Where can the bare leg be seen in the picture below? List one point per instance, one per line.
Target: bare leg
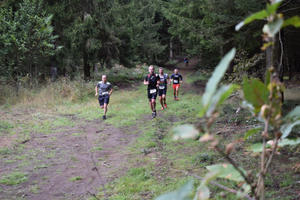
(153, 105)
(161, 101)
(105, 108)
(177, 91)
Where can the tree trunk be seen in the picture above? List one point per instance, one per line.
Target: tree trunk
(86, 66)
(171, 50)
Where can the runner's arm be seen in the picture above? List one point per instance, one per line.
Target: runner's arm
(111, 90)
(171, 79)
(96, 90)
(146, 82)
(157, 83)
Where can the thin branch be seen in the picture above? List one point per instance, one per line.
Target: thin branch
(281, 55)
(260, 183)
(233, 163)
(290, 9)
(286, 3)
(272, 154)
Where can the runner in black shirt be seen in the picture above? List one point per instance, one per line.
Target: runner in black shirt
(176, 79)
(162, 88)
(152, 81)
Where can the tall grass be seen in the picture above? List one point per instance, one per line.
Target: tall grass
(48, 94)
(65, 91)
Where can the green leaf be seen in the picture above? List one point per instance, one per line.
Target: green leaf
(260, 15)
(226, 171)
(183, 193)
(291, 142)
(251, 132)
(273, 28)
(294, 114)
(288, 127)
(258, 147)
(221, 95)
(186, 131)
(255, 93)
(272, 8)
(293, 21)
(216, 77)
(244, 190)
(202, 193)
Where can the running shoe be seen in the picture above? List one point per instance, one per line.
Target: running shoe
(162, 108)
(177, 99)
(165, 105)
(153, 115)
(104, 117)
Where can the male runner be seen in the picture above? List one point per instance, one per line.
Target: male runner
(162, 88)
(104, 89)
(152, 81)
(176, 79)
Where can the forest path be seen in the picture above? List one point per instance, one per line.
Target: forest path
(68, 164)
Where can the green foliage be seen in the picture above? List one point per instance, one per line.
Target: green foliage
(258, 147)
(75, 178)
(185, 131)
(256, 93)
(226, 171)
(211, 86)
(260, 15)
(252, 132)
(26, 38)
(293, 21)
(291, 120)
(194, 24)
(272, 28)
(183, 193)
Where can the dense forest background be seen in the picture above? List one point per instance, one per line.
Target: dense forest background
(81, 37)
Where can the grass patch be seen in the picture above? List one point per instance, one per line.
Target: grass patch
(75, 178)
(5, 126)
(14, 178)
(139, 183)
(98, 148)
(197, 76)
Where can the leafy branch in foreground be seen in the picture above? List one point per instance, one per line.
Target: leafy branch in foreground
(263, 100)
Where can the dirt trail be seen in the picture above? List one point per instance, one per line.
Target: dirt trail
(71, 164)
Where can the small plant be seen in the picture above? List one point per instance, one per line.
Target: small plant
(75, 178)
(14, 178)
(263, 100)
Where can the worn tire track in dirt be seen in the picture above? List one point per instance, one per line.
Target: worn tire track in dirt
(96, 154)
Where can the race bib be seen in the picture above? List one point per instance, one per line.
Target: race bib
(161, 87)
(152, 91)
(104, 93)
(175, 81)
